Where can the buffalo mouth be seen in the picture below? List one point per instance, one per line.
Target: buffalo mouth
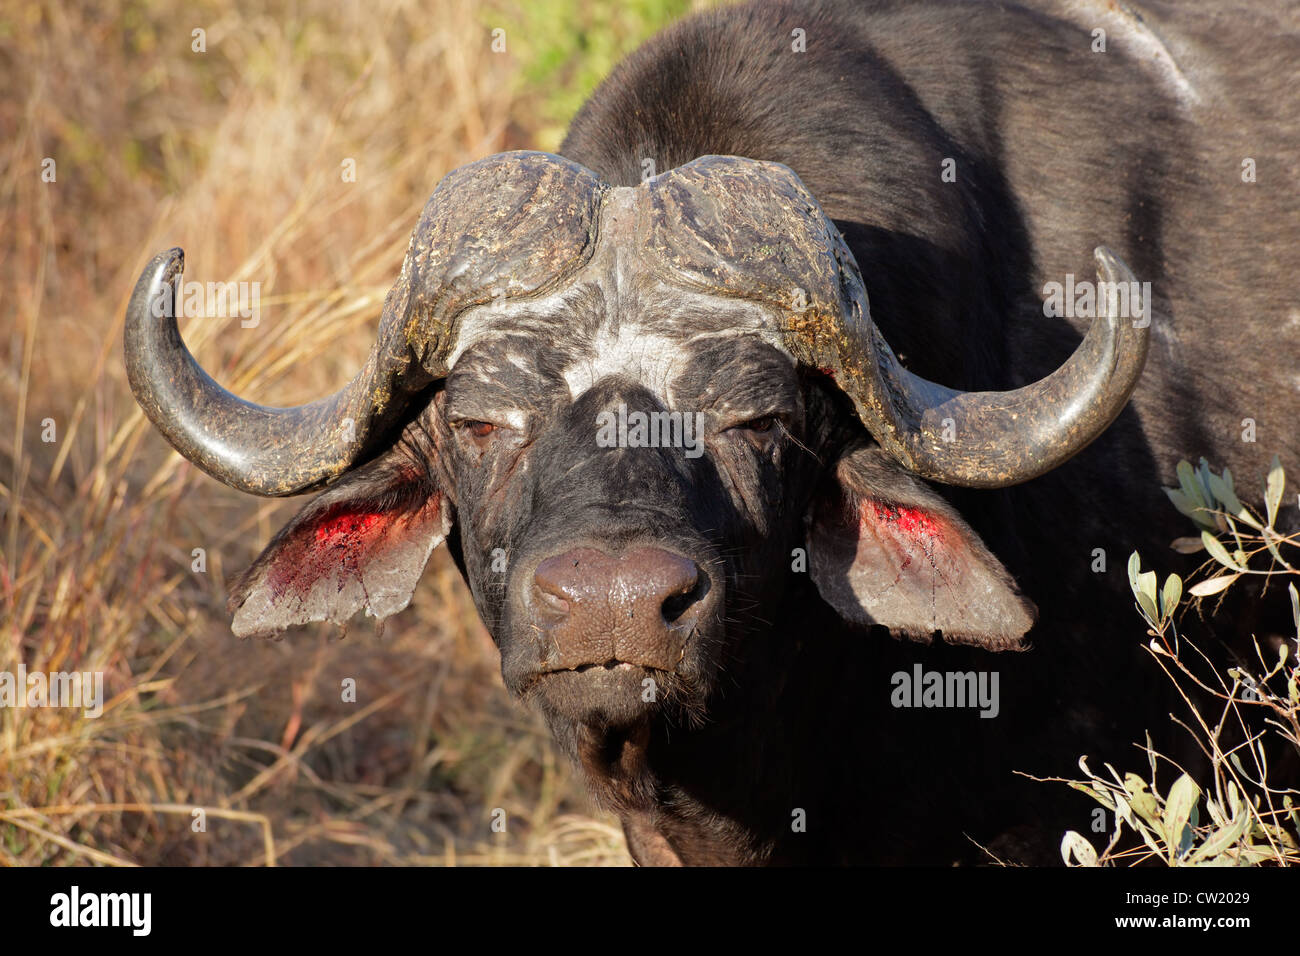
(608, 665)
(661, 658)
(614, 668)
(613, 694)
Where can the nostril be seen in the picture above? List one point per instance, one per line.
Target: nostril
(676, 605)
(551, 603)
(550, 594)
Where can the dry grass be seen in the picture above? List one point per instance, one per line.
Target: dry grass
(235, 155)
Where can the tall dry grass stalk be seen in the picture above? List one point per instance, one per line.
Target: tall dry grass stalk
(235, 154)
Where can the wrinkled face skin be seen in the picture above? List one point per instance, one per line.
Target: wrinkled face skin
(600, 568)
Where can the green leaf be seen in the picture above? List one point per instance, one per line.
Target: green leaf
(1236, 762)
(1143, 585)
(1188, 506)
(1291, 811)
(1143, 803)
(1253, 855)
(1224, 838)
(1122, 811)
(1280, 835)
(1148, 608)
(1223, 490)
(1178, 808)
(1245, 517)
(1295, 607)
(1147, 584)
(1212, 586)
(1183, 503)
(1101, 796)
(1203, 475)
(1191, 485)
(1271, 538)
(1218, 552)
(1171, 595)
(1273, 489)
(1073, 844)
(1216, 812)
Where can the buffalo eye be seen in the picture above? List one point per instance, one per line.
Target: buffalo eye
(760, 433)
(763, 425)
(479, 433)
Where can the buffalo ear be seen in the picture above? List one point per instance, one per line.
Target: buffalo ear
(362, 544)
(886, 549)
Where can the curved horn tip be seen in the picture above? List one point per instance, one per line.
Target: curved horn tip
(1110, 267)
(166, 266)
(154, 290)
(1114, 271)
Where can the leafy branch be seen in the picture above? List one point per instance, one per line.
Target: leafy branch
(1248, 819)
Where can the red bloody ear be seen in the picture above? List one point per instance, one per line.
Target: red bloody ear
(885, 549)
(362, 544)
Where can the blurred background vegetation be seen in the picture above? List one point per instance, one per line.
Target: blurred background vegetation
(234, 151)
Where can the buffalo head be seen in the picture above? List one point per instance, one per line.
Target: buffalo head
(636, 414)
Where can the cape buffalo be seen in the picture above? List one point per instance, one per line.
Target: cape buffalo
(759, 371)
